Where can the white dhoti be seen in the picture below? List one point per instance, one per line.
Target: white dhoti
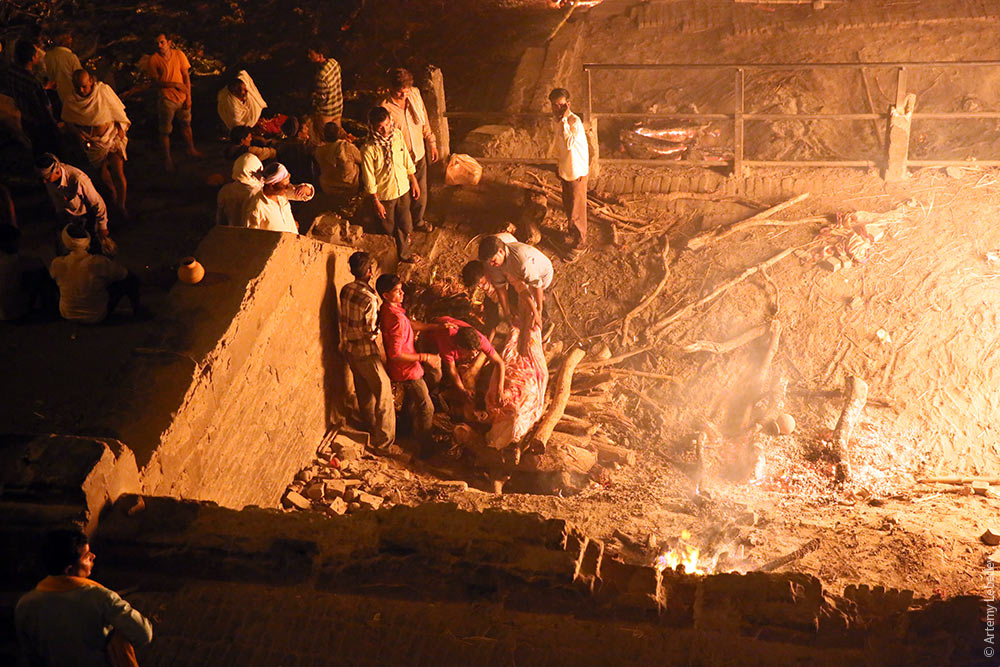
(97, 148)
(100, 114)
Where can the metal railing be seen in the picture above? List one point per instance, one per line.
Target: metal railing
(739, 116)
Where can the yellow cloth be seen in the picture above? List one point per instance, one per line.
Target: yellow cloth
(63, 583)
(387, 178)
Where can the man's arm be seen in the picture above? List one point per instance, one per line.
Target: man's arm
(368, 179)
(499, 367)
(428, 133)
(95, 205)
(538, 299)
(186, 86)
(125, 619)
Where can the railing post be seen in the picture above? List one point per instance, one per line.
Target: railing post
(899, 130)
(591, 125)
(738, 131)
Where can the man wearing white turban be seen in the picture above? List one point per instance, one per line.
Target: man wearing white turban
(97, 117)
(90, 286)
(233, 197)
(269, 209)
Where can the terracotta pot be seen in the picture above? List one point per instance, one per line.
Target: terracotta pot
(190, 271)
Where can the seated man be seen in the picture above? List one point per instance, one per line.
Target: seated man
(459, 345)
(403, 362)
(296, 151)
(233, 197)
(269, 209)
(97, 117)
(242, 141)
(70, 619)
(339, 162)
(239, 102)
(90, 286)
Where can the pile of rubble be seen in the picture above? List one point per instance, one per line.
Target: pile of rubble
(344, 479)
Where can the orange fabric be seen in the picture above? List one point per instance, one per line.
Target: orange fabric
(63, 583)
(171, 70)
(120, 652)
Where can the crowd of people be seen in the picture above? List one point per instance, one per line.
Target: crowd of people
(66, 114)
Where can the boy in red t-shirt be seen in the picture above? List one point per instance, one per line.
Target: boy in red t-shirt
(458, 342)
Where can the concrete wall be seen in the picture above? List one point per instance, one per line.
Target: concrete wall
(236, 390)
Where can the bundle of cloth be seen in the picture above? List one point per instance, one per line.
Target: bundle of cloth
(515, 409)
(104, 113)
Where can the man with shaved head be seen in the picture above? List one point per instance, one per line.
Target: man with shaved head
(96, 115)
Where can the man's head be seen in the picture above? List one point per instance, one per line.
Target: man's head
(75, 238)
(9, 238)
(48, 167)
(67, 552)
(83, 82)
(467, 341)
(276, 178)
(241, 135)
(473, 273)
(362, 265)
(400, 81)
(559, 99)
(62, 36)
(238, 88)
(290, 127)
(316, 51)
(379, 121)
(163, 44)
(26, 53)
(492, 251)
(303, 133)
(331, 132)
(390, 288)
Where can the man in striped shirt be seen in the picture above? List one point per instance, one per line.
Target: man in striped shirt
(359, 340)
(327, 96)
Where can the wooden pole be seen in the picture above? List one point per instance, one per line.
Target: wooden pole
(563, 384)
(703, 239)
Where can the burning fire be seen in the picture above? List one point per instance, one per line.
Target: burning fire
(684, 554)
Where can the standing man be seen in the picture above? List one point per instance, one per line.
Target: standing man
(61, 62)
(70, 619)
(18, 82)
(327, 95)
(389, 177)
(73, 195)
(524, 268)
(170, 71)
(359, 340)
(409, 116)
(573, 156)
(96, 115)
(402, 359)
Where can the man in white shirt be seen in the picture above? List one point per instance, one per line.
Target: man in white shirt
(73, 195)
(90, 286)
(61, 62)
(269, 209)
(573, 156)
(409, 116)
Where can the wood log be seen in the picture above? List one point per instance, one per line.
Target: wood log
(617, 359)
(807, 548)
(560, 397)
(555, 349)
(855, 396)
(577, 429)
(728, 345)
(642, 374)
(872, 402)
(665, 322)
(701, 240)
(993, 481)
(587, 382)
(563, 453)
(609, 453)
(651, 297)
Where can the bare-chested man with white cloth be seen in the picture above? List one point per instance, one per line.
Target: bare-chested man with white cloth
(97, 116)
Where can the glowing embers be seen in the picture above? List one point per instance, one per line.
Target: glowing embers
(684, 555)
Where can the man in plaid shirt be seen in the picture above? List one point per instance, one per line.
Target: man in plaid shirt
(327, 96)
(359, 339)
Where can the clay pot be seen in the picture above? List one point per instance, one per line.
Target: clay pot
(190, 271)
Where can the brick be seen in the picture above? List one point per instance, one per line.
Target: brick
(787, 187)
(296, 500)
(677, 183)
(336, 507)
(315, 491)
(335, 488)
(369, 501)
(589, 564)
(633, 586)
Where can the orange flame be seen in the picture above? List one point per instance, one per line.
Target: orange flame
(684, 554)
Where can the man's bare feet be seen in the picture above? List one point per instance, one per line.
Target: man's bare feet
(194, 152)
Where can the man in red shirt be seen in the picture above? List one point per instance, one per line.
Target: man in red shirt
(459, 343)
(402, 359)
